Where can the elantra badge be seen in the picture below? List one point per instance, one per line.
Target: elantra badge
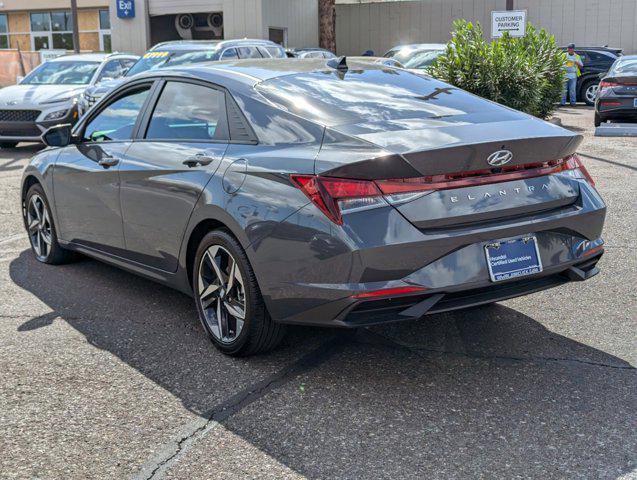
(499, 158)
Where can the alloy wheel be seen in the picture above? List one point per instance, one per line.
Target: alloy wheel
(221, 294)
(591, 93)
(39, 226)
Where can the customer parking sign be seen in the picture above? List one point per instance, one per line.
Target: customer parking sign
(125, 8)
(513, 22)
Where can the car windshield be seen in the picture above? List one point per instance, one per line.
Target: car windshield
(62, 73)
(158, 59)
(626, 66)
(403, 55)
(149, 61)
(376, 95)
(423, 59)
(190, 58)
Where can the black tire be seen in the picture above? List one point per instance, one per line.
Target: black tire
(258, 333)
(8, 144)
(598, 120)
(590, 101)
(53, 254)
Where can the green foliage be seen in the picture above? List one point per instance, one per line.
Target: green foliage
(523, 73)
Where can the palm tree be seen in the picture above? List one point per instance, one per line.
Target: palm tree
(327, 24)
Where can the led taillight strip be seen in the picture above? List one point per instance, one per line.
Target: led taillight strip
(325, 192)
(480, 177)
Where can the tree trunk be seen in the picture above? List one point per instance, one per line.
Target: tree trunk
(327, 25)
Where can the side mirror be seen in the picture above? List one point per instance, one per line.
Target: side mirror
(57, 136)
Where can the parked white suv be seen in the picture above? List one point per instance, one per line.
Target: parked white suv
(48, 95)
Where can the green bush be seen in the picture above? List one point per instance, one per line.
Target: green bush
(524, 73)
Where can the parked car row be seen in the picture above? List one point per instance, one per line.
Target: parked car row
(63, 89)
(49, 94)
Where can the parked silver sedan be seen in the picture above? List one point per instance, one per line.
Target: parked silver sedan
(48, 95)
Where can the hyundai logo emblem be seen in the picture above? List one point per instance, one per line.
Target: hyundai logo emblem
(499, 158)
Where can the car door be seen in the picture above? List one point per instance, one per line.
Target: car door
(182, 142)
(86, 178)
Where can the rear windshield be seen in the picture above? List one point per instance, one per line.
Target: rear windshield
(332, 98)
(626, 66)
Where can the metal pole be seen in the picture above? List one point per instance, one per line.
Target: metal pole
(509, 4)
(76, 30)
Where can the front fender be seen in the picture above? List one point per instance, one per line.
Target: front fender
(40, 169)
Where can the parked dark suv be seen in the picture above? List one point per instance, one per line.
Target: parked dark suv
(596, 60)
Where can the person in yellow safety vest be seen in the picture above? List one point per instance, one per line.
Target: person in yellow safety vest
(573, 65)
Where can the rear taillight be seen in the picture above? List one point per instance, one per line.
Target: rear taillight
(334, 196)
(607, 84)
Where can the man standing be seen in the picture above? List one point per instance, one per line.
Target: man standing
(573, 65)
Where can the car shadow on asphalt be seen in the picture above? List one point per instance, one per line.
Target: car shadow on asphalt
(482, 390)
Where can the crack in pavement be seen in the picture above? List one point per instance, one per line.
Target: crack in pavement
(172, 451)
(381, 340)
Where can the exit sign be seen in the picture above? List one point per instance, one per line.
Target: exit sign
(125, 8)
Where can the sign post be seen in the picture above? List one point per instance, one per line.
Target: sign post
(125, 8)
(513, 21)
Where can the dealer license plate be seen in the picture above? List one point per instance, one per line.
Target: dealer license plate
(508, 259)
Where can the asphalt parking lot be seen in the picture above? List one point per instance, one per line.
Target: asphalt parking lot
(107, 375)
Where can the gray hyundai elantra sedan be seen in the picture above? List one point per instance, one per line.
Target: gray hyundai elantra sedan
(315, 192)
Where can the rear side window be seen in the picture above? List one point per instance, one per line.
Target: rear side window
(249, 52)
(117, 120)
(274, 52)
(186, 111)
(229, 53)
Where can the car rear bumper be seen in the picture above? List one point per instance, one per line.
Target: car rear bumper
(411, 308)
(449, 262)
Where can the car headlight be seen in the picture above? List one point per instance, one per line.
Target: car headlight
(60, 100)
(56, 115)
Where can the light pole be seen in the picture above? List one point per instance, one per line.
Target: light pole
(76, 32)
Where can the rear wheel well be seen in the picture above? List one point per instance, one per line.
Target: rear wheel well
(196, 235)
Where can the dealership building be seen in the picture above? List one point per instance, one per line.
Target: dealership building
(135, 25)
(289, 22)
(31, 25)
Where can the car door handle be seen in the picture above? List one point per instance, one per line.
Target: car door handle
(107, 162)
(199, 159)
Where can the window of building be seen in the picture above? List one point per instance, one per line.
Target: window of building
(278, 35)
(52, 30)
(4, 30)
(105, 31)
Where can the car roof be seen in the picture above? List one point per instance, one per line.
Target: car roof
(211, 44)
(86, 57)
(249, 72)
(420, 46)
(308, 49)
(598, 49)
